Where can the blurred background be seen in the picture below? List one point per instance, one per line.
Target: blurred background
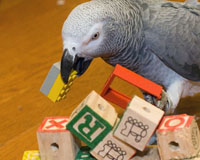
(30, 42)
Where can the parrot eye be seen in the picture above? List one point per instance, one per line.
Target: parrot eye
(95, 36)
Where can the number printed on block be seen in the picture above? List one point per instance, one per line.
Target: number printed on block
(138, 123)
(31, 155)
(92, 122)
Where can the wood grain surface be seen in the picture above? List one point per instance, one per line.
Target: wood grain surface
(30, 42)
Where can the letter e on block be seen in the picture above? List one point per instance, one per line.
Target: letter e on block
(92, 120)
(178, 137)
(138, 123)
(55, 141)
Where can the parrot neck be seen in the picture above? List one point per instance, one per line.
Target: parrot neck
(128, 57)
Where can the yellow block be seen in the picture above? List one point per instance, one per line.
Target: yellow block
(31, 155)
(59, 88)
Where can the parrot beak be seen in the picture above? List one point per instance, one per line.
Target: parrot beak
(68, 63)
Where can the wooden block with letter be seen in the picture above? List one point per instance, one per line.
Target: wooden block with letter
(138, 123)
(112, 148)
(93, 119)
(55, 142)
(178, 137)
(31, 155)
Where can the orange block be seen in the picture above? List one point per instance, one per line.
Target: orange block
(132, 78)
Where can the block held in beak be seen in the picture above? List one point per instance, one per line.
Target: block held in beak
(68, 63)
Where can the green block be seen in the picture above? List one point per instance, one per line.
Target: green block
(88, 126)
(84, 154)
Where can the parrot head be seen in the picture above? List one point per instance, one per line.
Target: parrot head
(93, 29)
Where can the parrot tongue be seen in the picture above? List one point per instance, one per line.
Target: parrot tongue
(80, 64)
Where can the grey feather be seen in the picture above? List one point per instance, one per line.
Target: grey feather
(174, 36)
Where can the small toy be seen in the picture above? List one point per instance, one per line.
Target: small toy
(84, 154)
(31, 155)
(178, 137)
(112, 148)
(55, 142)
(138, 123)
(53, 86)
(132, 78)
(93, 119)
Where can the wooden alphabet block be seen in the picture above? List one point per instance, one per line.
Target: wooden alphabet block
(54, 87)
(55, 142)
(31, 155)
(111, 148)
(178, 137)
(92, 120)
(138, 123)
(84, 154)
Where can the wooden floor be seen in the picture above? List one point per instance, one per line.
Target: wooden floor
(30, 42)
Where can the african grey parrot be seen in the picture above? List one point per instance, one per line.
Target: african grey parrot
(156, 39)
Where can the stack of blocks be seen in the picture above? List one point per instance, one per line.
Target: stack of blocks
(96, 123)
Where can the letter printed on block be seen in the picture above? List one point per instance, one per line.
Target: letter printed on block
(55, 141)
(178, 137)
(31, 155)
(91, 121)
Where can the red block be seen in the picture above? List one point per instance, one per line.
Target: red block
(132, 78)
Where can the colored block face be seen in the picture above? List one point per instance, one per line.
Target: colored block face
(31, 155)
(138, 123)
(84, 154)
(132, 78)
(54, 124)
(51, 77)
(170, 123)
(89, 126)
(53, 86)
(113, 149)
(178, 137)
